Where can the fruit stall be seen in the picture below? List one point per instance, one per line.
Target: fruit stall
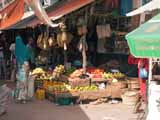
(72, 85)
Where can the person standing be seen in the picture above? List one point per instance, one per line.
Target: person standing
(31, 48)
(13, 62)
(2, 61)
(22, 55)
(141, 63)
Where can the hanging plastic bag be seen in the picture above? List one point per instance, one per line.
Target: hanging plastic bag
(143, 73)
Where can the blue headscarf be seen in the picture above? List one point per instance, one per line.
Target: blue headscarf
(21, 51)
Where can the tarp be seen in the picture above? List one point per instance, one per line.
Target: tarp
(11, 13)
(152, 5)
(40, 12)
(54, 12)
(144, 42)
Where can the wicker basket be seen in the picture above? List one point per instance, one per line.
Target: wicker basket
(133, 83)
(130, 97)
(74, 82)
(121, 84)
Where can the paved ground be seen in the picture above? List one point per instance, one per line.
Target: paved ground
(44, 110)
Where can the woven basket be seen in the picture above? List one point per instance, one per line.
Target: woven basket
(130, 97)
(121, 84)
(133, 83)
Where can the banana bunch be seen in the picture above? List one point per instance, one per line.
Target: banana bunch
(45, 42)
(45, 77)
(86, 88)
(57, 87)
(64, 37)
(59, 69)
(117, 75)
(52, 41)
(42, 41)
(38, 71)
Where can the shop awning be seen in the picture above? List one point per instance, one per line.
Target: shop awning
(152, 5)
(54, 12)
(145, 41)
(10, 12)
(40, 12)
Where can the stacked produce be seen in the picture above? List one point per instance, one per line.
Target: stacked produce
(56, 87)
(58, 71)
(86, 88)
(76, 73)
(45, 76)
(95, 72)
(113, 76)
(38, 71)
(60, 87)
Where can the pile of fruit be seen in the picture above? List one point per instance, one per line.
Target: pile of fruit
(117, 75)
(86, 88)
(45, 76)
(76, 73)
(37, 71)
(58, 71)
(56, 87)
(95, 72)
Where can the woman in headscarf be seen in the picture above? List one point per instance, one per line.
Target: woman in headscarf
(22, 56)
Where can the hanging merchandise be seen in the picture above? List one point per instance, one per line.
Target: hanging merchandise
(125, 7)
(82, 27)
(52, 41)
(101, 46)
(64, 37)
(45, 42)
(103, 31)
(83, 48)
(136, 3)
(40, 41)
(112, 4)
(81, 43)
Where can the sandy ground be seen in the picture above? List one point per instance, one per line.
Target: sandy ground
(45, 110)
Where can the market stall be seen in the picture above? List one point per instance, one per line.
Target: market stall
(67, 63)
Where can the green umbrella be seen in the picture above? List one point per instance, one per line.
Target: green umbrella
(144, 42)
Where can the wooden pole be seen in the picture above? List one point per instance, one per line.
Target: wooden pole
(84, 56)
(65, 54)
(149, 88)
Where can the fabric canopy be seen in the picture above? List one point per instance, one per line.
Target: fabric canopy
(54, 12)
(152, 5)
(40, 12)
(11, 13)
(144, 41)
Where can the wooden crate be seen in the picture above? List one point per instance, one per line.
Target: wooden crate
(74, 82)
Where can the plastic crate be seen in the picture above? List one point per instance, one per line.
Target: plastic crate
(63, 101)
(50, 96)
